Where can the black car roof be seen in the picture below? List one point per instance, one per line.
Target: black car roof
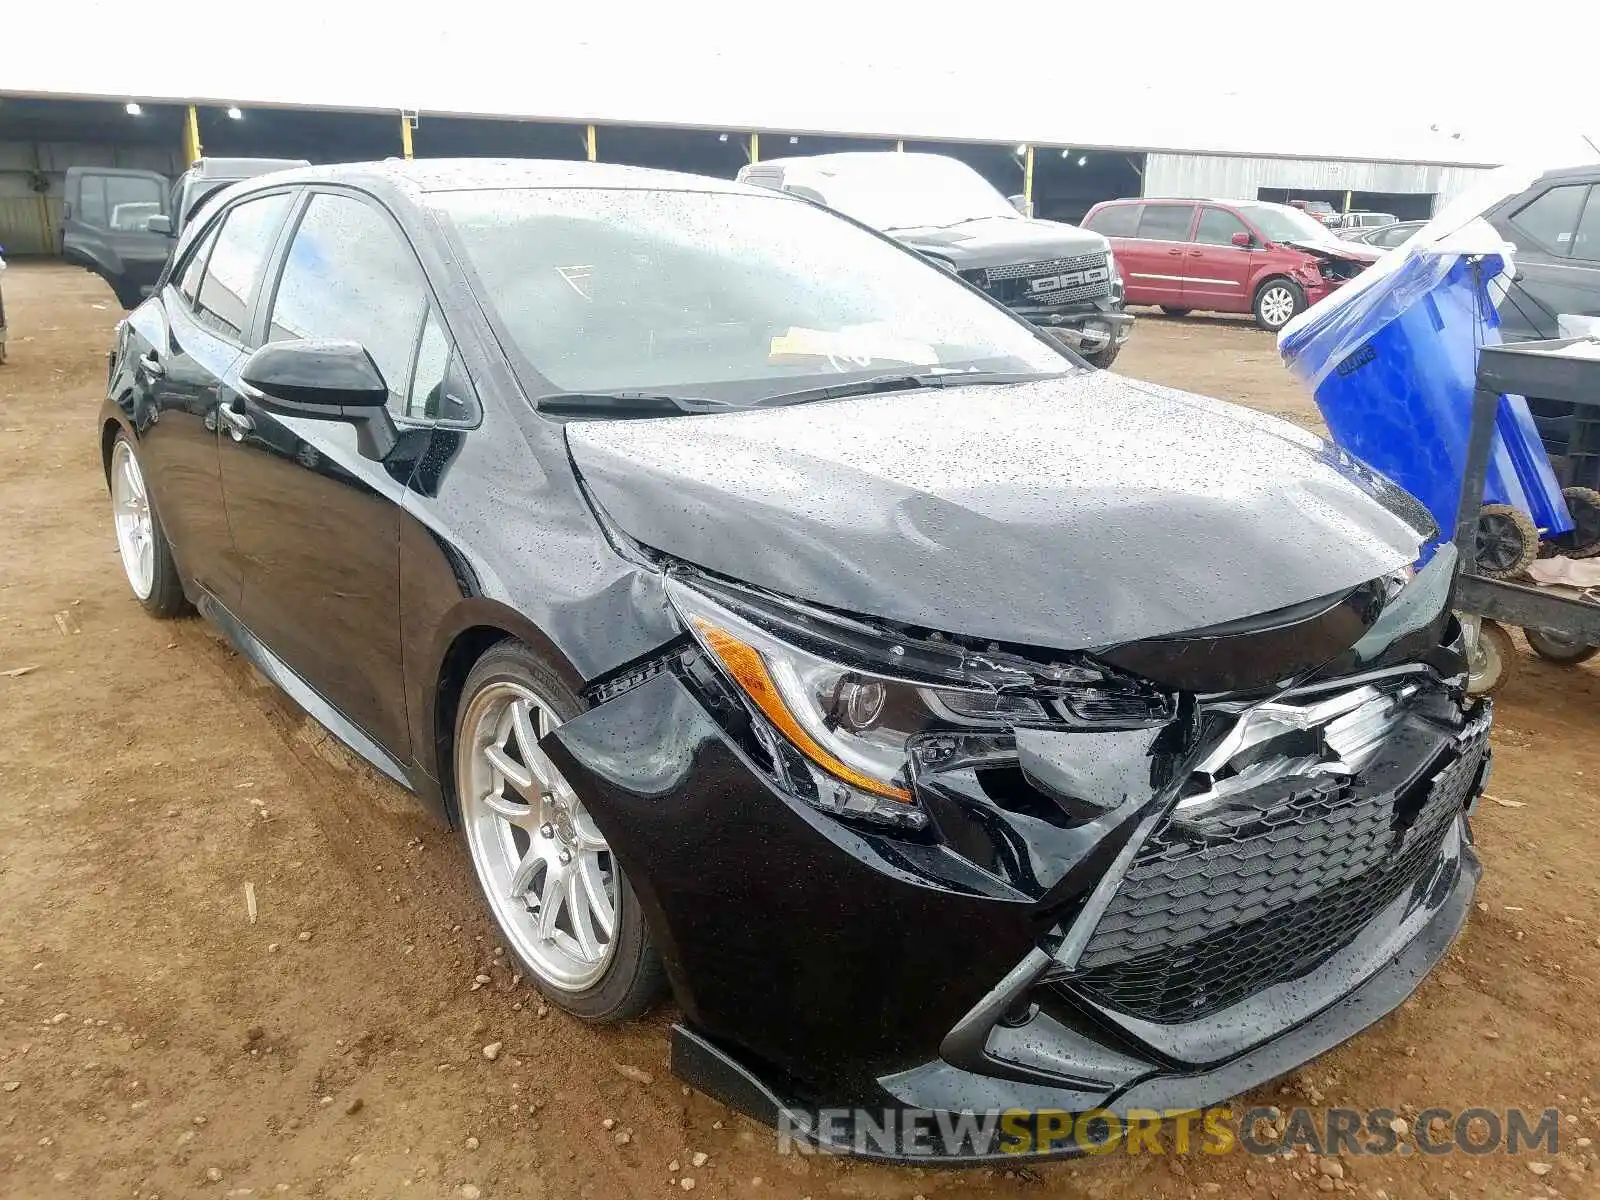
(420, 176)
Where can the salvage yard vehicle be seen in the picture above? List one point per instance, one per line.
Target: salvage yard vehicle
(1056, 275)
(1240, 256)
(772, 615)
(1355, 221)
(1385, 237)
(120, 223)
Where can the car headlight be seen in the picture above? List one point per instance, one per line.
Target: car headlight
(846, 714)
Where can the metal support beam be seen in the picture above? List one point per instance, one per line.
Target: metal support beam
(899, 145)
(1027, 177)
(753, 151)
(191, 137)
(589, 144)
(1347, 199)
(408, 121)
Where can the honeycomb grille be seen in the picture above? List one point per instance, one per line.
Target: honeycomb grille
(1199, 925)
(1053, 266)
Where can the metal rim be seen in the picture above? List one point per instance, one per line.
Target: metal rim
(1277, 305)
(130, 510)
(546, 870)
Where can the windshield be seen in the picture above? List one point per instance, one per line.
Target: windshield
(905, 191)
(1279, 223)
(741, 297)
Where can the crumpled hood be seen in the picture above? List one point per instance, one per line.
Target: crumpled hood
(1067, 513)
(1002, 241)
(1350, 251)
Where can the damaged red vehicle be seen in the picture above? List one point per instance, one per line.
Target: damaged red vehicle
(1226, 256)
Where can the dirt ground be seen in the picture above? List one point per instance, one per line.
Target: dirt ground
(155, 1042)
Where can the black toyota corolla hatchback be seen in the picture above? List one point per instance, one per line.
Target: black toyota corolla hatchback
(951, 726)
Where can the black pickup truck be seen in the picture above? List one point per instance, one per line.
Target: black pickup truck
(1055, 275)
(122, 223)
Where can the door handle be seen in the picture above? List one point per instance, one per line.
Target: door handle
(150, 362)
(1174, 252)
(1194, 253)
(238, 423)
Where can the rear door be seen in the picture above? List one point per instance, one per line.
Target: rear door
(1557, 235)
(1216, 272)
(105, 227)
(316, 524)
(1164, 236)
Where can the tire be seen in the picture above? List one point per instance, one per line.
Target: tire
(1278, 301)
(1558, 648)
(1493, 660)
(1173, 311)
(547, 851)
(141, 541)
(1584, 540)
(1103, 358)
(1508, 541)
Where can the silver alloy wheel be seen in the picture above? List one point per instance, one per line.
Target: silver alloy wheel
(130, 510)
(1277, 305)
(544, 866)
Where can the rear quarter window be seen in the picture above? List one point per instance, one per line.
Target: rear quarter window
(1166, 222)
(1116, 220)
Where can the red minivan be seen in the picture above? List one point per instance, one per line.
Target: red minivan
(1240, 256)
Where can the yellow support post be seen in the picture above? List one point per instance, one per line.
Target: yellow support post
(405, 134)
(899, 145)
(191, 137)
(1347, 200)
(1027, 178)
(755, 147)
(588, 144)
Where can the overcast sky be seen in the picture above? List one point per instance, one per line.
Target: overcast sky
(1296, 76)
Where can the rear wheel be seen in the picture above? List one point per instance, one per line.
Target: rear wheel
(553, 886)
(141, 542)
(1172, 311)
(1508, 541)
(1584, 540)
(1559, 648)
(1277, 302)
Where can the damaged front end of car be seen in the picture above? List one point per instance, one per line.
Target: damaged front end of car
(892, 868)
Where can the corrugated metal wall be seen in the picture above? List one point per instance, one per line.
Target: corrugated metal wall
(1229, 178)
(30, 219)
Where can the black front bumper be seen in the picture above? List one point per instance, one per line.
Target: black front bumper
(820, 967)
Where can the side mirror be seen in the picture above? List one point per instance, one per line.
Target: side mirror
(160, 223)
(324, 380)
(1020, 203)
(1244, 240)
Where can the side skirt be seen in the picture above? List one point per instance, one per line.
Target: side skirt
(298, 690)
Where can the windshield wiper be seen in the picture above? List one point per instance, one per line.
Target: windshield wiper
(896, 383)
(624, 404)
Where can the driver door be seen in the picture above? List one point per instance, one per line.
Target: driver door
(105, 227)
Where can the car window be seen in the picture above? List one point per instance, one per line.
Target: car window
(1166, 222)
(1119, 220)
(1391, 236)
(1586, 240)
(131, 200)
(194, 267)
(1217, 227)
(234, 266)
(349, 274)
(92, 200)
(1552, 219)
(425, 400)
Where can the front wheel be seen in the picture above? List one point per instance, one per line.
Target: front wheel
(554, 888)
(141, 541)
(1491, 661)
(1103, 358)
(1277, 303)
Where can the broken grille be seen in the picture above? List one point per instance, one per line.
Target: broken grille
(1202, 922)
(1011, 283)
